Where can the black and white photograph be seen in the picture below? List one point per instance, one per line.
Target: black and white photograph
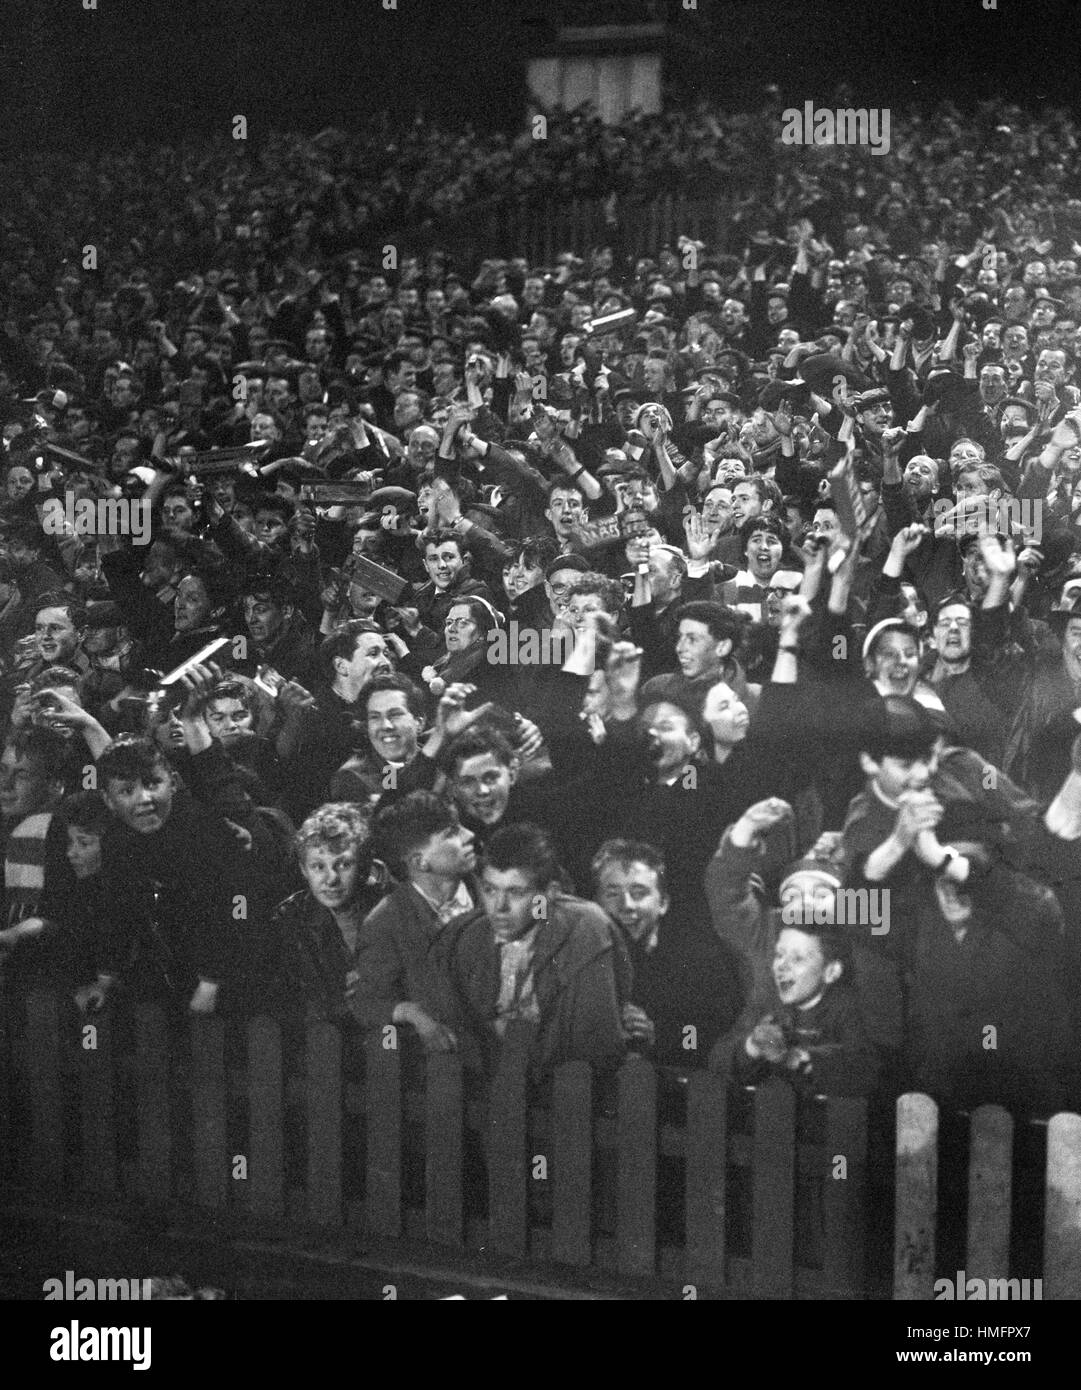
(540, 666)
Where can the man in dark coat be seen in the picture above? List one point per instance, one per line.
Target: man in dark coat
(540, 957)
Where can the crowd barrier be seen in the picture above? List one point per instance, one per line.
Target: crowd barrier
(688, 1186)
(540, 228)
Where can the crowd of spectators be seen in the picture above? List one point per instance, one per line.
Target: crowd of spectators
(701, 684)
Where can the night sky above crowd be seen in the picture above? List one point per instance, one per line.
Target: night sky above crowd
(175, 69)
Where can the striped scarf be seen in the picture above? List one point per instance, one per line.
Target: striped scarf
(24, 866)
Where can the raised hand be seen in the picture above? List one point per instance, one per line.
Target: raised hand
(623, 671)
(294, 700)
(197, 684)
(1067, 432)
(530, 740)
(452, 718)
(908, 540)
(893, 438)
(794, 611)
(759, 818)
(999, 557)
(782, 420)
(700, 537)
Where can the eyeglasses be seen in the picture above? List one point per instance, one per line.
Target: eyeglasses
(961, 623)
(459, 622)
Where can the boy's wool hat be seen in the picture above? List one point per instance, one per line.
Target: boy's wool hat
(875, 632)
(568, 562)
(1061, 614)
(615, 461)
(1030, 407)
(824, 870)
(774, 392)
(824, 860)
(393, 496)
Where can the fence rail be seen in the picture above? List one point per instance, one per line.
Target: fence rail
(691, 1185)
(539, 229)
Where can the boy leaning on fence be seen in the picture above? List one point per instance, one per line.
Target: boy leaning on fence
(816, 1038)
(402, 959)
(541, 956)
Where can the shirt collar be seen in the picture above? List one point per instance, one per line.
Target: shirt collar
(460, 903)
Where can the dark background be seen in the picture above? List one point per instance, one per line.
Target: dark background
(167, 70)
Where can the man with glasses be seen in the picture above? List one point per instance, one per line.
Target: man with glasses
(559, 578)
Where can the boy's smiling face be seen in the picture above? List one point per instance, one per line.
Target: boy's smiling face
(800, 969)
(894, 663)
(142, 803)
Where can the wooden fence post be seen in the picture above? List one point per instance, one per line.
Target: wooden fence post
(323, 1067)
(383, 1137)
(208, 1105)
(707, 1181)
(572, 1161)
(1062, 1217)
(266, 1118)
(508, 1162)
(154, 1119)
(990, 1191)
(773, 1199)
(844, 1198)
(45, 1082)
(98, 1106)
(637, 1188)
(917, 1198)
(7, 1089)
(444, 1150)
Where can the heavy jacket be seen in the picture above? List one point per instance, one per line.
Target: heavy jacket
(169, 901)
(582, 978)
(317, 970)
(404, 954)
(989, 1018)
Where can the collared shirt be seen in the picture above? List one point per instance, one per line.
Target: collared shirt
(459, 904)
(517, 985)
